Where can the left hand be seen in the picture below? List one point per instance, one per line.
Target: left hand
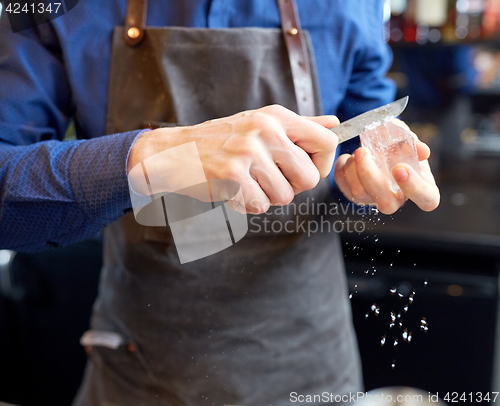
(362, 182)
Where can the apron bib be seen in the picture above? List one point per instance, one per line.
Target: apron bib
(266, 317)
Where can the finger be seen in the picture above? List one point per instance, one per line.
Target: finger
(358, 191)
(319, 142)
(322, 144)
(340, 177)
(424, 194)
(344, 185)
(273, 183)
(423, 150)
(426, 172)
(375, 183)
(296, 166)
(256, 201)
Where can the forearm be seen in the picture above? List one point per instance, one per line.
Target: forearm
(56, 193)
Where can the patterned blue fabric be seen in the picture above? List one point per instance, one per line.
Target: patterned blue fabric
(55, 193)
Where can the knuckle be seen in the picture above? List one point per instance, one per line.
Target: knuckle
(248, 144)
(232, 170)
(262, 125)
(275, 109)
(307, 182)
(280, 142)
(259, 116)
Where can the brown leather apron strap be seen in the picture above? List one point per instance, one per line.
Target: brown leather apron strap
(299, 58)
(135, 21)
(292, 31)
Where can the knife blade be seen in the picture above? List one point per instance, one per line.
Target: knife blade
(357, 125)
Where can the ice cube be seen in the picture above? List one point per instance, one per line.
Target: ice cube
(389, 145)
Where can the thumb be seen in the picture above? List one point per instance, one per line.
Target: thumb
(424, 194)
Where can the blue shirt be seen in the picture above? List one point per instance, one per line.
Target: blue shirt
(55, 193)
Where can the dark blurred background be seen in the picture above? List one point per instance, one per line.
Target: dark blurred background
(424, 286)
(437, 273)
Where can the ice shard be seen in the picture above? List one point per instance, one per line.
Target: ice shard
(389, 145)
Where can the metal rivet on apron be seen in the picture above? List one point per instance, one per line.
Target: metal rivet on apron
(293, 31)
(132, 348)
(133, 32)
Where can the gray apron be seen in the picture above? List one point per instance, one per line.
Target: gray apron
(250, 325)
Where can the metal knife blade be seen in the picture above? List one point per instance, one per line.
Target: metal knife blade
(355, 126)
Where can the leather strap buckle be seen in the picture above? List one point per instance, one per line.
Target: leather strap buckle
(135, 22)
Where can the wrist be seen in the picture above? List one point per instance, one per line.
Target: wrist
(145, 145)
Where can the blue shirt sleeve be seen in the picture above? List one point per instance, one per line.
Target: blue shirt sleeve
(52, 192)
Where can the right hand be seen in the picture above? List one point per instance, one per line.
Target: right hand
(271, 152)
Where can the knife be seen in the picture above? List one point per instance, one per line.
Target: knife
(357, 125)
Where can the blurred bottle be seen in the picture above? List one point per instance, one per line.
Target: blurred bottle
(448, 21)
(469, 16)
(491, 19)
(410, 24)
(430, 17)
(397, 22)
(448, 30)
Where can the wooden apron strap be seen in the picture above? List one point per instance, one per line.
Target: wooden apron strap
(135, 23)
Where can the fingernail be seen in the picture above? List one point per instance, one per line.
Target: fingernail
(401, 174)
(359, 154)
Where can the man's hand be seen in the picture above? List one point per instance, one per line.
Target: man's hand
(362, 182)
(271, 152)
